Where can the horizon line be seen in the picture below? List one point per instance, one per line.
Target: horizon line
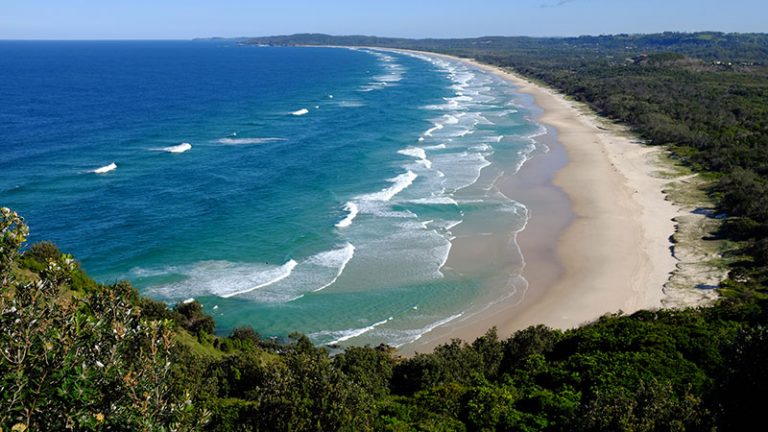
(204, 38)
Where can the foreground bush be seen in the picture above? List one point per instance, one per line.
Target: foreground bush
(77, 361)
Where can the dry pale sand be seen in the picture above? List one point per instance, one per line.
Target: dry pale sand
(609, 251)
(616, 254)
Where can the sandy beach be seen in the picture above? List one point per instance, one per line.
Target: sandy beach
(598, 239)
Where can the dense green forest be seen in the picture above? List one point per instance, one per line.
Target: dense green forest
(79, 355)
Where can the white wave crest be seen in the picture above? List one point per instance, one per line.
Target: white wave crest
(105, 169)
(480, 148)
(351, 104)
(506, 112)
(241, 141)
(435, 201)
(437, 127)
(421, 332)
(462, 133)
(451, 119)
(399, 184)
(449, 225)
(460, 98)
(181, 148)
(352, 208)
(344, 335)
(416, 152)
(419, 154)
(452, 105)
(389, 78)
(338, 258)
(300, 112)
(270, 276)
(435, 147)
(399, 338)
(262, 283)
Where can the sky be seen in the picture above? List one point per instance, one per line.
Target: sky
(186, 19)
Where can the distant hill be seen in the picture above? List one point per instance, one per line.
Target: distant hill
(735, 47)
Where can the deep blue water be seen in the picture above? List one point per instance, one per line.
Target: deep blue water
(320, 192)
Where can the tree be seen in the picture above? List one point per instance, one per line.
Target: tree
(80, 363)
(13, 234)
(194, 319)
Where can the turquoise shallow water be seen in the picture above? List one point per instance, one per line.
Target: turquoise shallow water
(291, 189)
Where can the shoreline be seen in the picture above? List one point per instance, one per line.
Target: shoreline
(607, 251)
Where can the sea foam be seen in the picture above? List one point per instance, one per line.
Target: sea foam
(105, 169)
(399, 184)
(337, 259)
(345, 335)
(435, 201)
(437, 127)
(417, 153)
(351, 104)
(181, 148)
(270, 276)
(410, 336)
(353, 209)
(241, 141)
(435, 147)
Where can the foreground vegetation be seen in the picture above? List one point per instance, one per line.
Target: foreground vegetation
(79, 355)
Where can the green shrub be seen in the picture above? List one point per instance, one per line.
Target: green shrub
(193, 319)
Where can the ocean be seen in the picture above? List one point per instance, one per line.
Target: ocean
(317, 190)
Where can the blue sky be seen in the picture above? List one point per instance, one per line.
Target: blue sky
(184, 19)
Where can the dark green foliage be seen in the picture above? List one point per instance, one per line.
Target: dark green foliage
(533, 340)
(453, 362)
(157, 310)
(37, 257)
(402, 415)
(239, 375)
(88, 362)
(43, 252)
(308, 393)
(490, 408)
(742, 388)
(456, 362)
(13, 234)
(235, 415)
(653, 406)
(245, 335)
(491, 352)
(80, 281)
(744, 193)
(370, 368)
(193, 319)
